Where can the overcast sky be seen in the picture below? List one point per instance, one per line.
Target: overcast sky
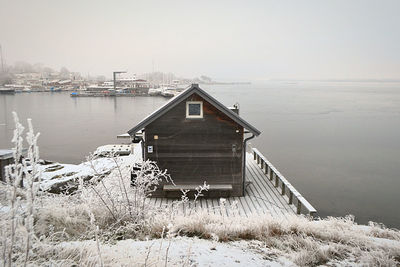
(231, 40)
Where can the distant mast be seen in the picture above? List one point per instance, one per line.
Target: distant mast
(1, 58)
(115, 78)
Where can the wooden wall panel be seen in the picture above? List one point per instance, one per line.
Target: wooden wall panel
(197, 150)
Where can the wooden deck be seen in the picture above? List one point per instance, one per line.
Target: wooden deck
(267, 192)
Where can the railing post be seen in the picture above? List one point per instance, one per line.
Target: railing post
(294, 198)
(290, 197)
(298, 207)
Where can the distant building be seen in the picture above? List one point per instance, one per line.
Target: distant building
(134, 86)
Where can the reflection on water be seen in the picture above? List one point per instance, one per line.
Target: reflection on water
(336, 142)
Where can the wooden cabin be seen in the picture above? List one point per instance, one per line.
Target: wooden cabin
(197, 139)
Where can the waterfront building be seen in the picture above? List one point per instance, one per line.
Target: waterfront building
(197, 139)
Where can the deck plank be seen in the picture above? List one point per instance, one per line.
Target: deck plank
(261, 197)
(217, 210)
(263, 193)
(267, 194)
(269, 187)
(281, 201)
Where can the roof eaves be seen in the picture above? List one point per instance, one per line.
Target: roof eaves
(161, 110)
(228, 112)
(174, 101)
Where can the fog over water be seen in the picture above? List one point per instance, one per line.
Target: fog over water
(338, 143)
(226, 40)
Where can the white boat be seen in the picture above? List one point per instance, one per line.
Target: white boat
(168, 93)
(155, 91)
(7, 91)
(168, 90)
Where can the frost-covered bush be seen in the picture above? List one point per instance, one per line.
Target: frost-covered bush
(17, 227)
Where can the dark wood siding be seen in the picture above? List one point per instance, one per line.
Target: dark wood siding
(197, 150)
(4, 163)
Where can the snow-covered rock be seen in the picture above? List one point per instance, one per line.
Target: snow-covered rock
(59, 177)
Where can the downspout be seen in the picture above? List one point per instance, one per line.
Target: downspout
(244, 160)
(143, 148)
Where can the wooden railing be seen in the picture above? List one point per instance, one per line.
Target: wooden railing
(280, 182)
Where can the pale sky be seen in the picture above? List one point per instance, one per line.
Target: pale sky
(227, 40)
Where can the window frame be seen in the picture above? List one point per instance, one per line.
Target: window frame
(188, 116)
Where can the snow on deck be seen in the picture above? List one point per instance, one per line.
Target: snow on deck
(261, 197)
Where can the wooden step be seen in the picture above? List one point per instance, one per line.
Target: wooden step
(178, 187)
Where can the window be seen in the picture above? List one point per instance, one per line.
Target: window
(194, 109)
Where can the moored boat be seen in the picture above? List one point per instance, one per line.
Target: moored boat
(7, 91)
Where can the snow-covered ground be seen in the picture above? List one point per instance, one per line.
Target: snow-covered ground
(192, 251)
(180, 251)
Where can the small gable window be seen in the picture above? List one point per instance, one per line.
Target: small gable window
(194, 109)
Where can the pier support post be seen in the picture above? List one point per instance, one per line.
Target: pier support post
(298, 207)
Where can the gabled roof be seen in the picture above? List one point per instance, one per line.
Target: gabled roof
(185, 94)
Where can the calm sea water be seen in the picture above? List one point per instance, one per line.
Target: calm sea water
(338, 143)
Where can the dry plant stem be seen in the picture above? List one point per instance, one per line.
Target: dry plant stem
(33, 156)
(98, 246)
(148, 254)
(122, 182)
(3, 243)
(166, 252)
(161, 242)
(188, 255)
(97, 174)
(13, 177)
(12, 227)
(105, 204)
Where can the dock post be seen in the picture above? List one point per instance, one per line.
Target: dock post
(298, 207)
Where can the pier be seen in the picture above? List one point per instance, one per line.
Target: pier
(267, 191)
